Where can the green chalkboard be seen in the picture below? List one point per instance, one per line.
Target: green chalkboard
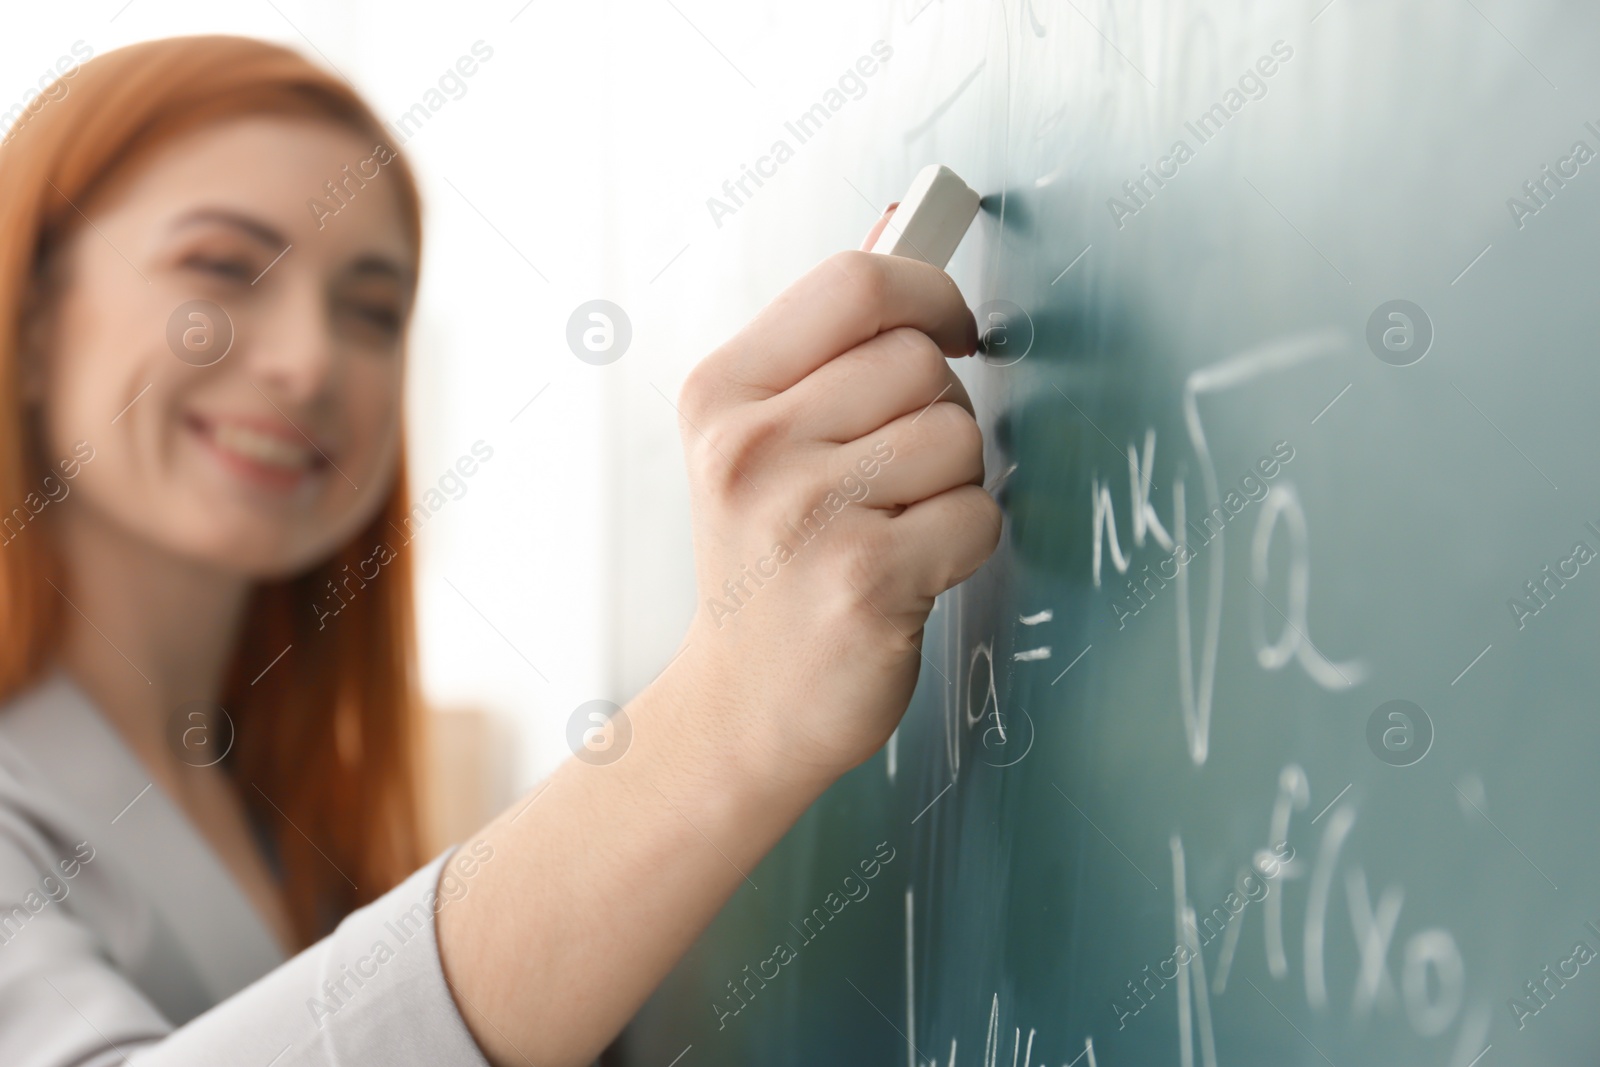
(1270, 734)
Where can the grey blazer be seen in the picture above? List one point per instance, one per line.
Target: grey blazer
(124, 938)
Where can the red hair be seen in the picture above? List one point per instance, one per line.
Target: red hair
(327, 745)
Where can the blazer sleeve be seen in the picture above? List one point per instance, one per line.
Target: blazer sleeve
(371, 993)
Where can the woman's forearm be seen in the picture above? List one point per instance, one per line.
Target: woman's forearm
(603, 876)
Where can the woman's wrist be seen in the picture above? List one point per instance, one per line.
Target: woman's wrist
(710, 725)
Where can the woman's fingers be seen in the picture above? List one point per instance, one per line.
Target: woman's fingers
(898, 372)
(942, 541)
(847, 299)
(918, 456)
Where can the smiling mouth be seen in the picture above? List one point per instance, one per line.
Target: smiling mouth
(270, 458)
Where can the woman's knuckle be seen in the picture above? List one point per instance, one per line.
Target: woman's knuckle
(978, 517)
(985, 519)
(990, 517)
(694, 397)
(864, 280)
(736, 443)
(956, 426)
(925, 363)
(860, 566)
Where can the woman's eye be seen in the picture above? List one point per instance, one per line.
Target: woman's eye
(233, 269)
(384, 317)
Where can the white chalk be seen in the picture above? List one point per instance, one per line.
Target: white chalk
(931, 219)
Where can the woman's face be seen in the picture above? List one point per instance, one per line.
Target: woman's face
(267, 460)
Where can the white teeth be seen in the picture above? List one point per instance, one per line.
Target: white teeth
(262, 448)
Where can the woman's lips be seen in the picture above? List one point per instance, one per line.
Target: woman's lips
(270, 457)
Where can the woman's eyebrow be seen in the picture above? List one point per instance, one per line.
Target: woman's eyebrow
(376, 265)
(372, 264)
(261, 231)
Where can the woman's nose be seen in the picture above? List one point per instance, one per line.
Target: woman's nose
(291, 347)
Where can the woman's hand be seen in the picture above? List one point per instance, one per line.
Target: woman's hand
(602, 879)
(836, 473)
